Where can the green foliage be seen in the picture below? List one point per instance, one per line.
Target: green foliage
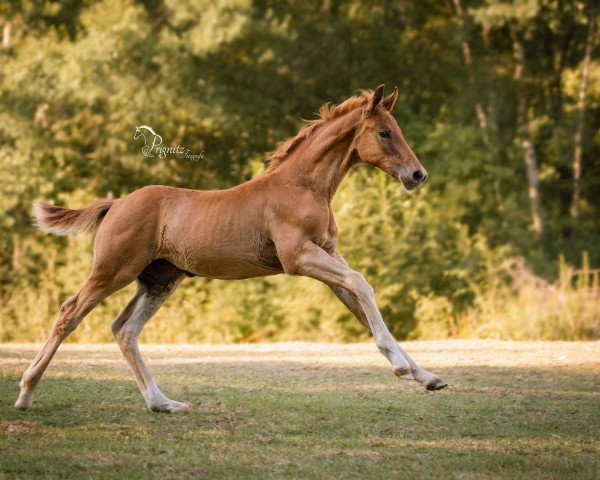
(233, 78)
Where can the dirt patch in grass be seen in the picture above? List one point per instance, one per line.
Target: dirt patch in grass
(15, 427)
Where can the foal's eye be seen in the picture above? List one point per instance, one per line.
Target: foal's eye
(384, 133)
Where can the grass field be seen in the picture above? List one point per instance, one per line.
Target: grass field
(512, 410)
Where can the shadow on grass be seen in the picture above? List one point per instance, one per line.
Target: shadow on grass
(289, 419)
(290, 383)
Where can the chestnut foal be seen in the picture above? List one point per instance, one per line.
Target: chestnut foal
(280, 221)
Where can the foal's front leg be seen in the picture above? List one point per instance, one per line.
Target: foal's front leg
(312, 261)
(431, 381)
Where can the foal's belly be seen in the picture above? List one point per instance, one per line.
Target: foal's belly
(230, 268)
(225, 260)
(226, 267)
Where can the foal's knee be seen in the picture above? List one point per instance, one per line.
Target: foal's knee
(359, 285)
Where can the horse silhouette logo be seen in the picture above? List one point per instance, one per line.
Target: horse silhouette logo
(152, 140)
(153, 145)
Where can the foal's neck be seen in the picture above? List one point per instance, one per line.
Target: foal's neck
(323, 160)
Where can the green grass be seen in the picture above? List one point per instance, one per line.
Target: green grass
(512, 410)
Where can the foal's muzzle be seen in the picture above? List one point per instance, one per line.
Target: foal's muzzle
(414, 179)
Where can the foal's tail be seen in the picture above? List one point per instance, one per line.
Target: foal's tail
(64, 221)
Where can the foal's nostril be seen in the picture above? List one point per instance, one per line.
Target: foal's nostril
(418, 176)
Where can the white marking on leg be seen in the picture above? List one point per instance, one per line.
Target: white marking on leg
(70, 315)
(312, 261)
(384, 340)
(127, 330)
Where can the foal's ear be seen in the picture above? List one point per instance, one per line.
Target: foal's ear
(388, 102)
(376, 98)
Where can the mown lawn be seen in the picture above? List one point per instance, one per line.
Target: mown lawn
(512, 410)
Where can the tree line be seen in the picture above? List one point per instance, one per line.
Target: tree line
(499, 99)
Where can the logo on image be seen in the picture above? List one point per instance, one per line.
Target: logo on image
(153, 145)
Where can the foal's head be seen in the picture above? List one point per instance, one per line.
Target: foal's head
(379, 142)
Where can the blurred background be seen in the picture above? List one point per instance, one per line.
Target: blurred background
(499, 99)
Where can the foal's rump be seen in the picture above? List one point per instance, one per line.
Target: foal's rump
(127, 232)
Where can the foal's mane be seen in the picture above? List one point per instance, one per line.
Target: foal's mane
(326, 112)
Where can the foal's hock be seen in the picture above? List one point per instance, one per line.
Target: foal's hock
(278, 222)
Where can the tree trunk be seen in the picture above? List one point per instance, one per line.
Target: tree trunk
(577, 149)
(529, 153)
(16, 254)
(466, 48)
(480, 111)
(6, 35)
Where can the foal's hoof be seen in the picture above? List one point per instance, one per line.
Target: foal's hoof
(436, 384)
(24, 401)
(404, 373)
(170, 407)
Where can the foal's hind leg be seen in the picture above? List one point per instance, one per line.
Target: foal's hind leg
(71, 313)
(152, 291)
